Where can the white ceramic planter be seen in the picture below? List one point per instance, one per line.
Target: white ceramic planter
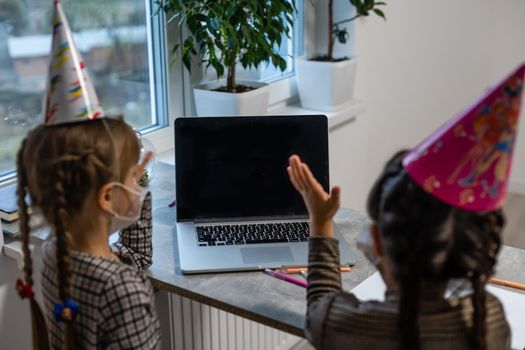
(326, 86)
(218, 103)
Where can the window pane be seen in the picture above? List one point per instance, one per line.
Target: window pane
(290, 48)
(112, 38)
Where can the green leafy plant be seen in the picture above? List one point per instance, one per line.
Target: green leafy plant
(335, 32)
(225, 33)
(144, 179)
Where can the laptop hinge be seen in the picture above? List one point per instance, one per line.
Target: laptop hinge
(254, 218)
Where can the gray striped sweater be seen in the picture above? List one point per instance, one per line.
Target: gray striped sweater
(336, 320)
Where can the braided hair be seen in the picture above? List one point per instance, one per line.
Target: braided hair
(429, 240)
(38, 324)
(76, 161)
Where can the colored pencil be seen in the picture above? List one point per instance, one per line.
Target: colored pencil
(304, 269)
(505, 283)
(285, 277)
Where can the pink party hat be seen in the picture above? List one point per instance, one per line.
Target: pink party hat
(466, 162)
(70, 96)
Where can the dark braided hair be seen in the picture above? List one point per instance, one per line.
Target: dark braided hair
(62, 166)
(38, 323)
(429, 240)
(61, 228)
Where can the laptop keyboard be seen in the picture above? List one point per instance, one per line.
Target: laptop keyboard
(252, 234)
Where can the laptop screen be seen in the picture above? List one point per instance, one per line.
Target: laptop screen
(235, 167)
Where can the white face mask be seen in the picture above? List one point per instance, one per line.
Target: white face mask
(127, 205)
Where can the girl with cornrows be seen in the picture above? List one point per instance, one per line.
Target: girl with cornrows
(425, 231)
(81, 169)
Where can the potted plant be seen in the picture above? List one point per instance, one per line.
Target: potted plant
(326, 82)
(224, 35)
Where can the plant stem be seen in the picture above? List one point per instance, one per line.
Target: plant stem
(230, 83)
(330, 29)
(347, 20)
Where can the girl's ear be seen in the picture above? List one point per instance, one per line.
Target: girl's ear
(105, 197)
(377, 242)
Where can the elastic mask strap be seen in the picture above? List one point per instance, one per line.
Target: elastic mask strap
(141, 194)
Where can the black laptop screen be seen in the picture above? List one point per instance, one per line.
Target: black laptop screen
(235, 167)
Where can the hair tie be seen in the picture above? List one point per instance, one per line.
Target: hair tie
(66, 312)
(25, 291)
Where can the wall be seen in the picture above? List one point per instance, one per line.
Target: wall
(510, 48)
(427, 62)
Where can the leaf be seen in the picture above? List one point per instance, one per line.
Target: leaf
(230, 10)
(282, 63)
(200, 17)
(214, 23)
(380, 13)
(219, 68)
(342, 36)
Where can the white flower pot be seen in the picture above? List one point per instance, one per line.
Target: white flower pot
(218, 103)
(326, 86)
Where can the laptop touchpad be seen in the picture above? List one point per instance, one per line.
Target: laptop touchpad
(266, 255)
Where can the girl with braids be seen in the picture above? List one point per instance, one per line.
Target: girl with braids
(425, 231)
(80, 169)
(94, 295)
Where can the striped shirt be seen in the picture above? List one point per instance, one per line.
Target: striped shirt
(337, 320)
(115, 298)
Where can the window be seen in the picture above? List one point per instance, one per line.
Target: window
(116, 39)
(124, 46)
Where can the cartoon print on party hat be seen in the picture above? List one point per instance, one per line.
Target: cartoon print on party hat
(70, 96)
(466, 162)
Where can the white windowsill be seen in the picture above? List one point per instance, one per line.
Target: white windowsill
(343, 115)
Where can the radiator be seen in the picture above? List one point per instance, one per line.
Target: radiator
(189, 325)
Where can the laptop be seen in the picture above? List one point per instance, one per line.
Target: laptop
(236, 207)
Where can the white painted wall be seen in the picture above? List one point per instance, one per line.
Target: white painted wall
(427, 62)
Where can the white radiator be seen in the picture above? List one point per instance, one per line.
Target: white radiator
(189, 325)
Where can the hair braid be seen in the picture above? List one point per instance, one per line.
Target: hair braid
(478, 301)
(38, 324)
(24, 217)
(431, 241)
(62, 225)
(409, 312)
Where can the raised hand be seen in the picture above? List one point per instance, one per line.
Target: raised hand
(321, 205)
(147, 158)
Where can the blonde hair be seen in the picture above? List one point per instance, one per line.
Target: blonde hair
(60, 166)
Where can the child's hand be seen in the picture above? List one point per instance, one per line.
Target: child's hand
(321, 205)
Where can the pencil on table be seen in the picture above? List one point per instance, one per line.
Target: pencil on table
(505, 283)
(296, 270)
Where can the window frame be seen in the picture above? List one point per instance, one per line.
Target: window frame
(171, 85)
(158, 81)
